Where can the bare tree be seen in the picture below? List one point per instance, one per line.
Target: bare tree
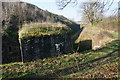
(63, 3)
(94, 11)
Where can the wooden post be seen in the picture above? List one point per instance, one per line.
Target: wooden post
(21, 50)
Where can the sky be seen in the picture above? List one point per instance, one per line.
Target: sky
(71, 11)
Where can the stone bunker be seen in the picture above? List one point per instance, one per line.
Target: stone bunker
(93, 38)
(44, 40)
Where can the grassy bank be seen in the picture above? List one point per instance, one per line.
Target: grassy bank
(38, 29)
(102, 63)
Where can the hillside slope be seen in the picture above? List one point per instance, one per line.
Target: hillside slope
(21, 12)
(112, 25)
(102, 63)
(95, 36)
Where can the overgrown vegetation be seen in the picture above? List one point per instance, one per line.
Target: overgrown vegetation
(37, 29)
(102, 63)
(109, 25)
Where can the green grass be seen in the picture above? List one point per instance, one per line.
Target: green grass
(118, 22)
(38, 29)
(88, 64)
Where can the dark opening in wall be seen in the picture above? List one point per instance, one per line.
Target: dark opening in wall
(9, 49)
(85, 45)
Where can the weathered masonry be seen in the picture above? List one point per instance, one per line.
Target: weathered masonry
(36, 43)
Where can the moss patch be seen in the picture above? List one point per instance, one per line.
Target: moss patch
(38, 29)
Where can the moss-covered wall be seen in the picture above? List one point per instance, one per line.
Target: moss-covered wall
(39, 47)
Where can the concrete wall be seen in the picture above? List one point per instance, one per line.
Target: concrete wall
(39, 47)
(10, 49)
